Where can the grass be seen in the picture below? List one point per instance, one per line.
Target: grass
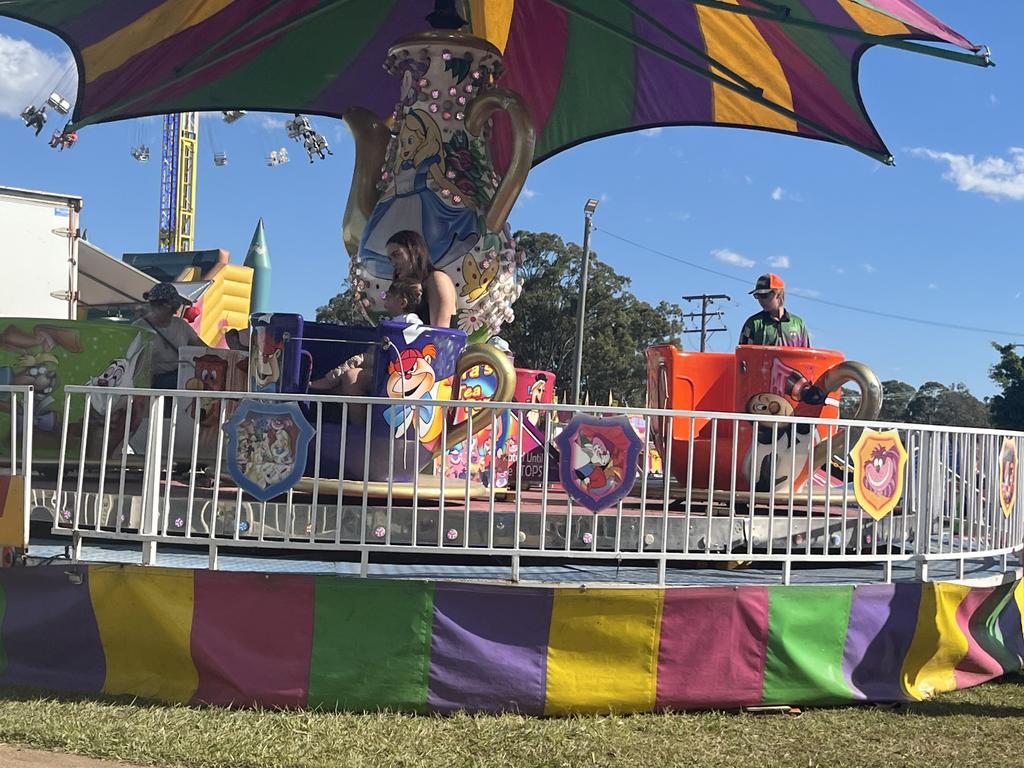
(976, 727)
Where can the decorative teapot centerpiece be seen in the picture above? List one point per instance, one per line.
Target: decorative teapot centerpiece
(432, 173)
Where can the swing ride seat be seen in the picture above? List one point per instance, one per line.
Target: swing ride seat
(59, 103)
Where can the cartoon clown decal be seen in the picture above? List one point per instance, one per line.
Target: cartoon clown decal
(1008, 475)
(879, 459)
(411, 376)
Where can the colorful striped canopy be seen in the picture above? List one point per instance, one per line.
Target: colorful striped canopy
(587, 68)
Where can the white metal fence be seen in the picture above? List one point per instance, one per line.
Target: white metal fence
(17, 418)
(141, 467)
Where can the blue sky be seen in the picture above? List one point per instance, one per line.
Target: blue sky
(936, 238)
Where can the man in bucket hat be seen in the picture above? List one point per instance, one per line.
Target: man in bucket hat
(774, 325)
(172, 332)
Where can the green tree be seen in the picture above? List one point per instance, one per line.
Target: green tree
(849, 400)
(341, 309)
(954, 406)
(1007, 407)
(618, 326)
(896, 396)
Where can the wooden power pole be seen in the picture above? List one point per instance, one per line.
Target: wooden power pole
(706, 301)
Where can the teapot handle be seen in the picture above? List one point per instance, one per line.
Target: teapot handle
(524, 138)
(371, 137)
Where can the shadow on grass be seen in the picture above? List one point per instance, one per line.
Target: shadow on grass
(942, 706)
(961, 709)
(26, 694)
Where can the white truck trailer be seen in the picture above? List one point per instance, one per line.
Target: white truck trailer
(39, 242)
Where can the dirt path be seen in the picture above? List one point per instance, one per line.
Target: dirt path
(17, 757)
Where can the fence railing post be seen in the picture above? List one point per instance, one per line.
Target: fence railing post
(150, 522)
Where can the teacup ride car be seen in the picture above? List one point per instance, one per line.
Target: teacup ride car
(390, 451)
(750, 461)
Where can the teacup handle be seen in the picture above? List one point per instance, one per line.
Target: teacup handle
(870, 398)
(473, 355)
(524, 138)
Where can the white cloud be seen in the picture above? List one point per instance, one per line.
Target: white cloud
(870, 268)
(993, 99)
(840, 270)
(996, 177)
(680, 215)
(779, 194)
(604, 197)
(269, 123)
(779, 262)
(810, 293)
(731, 257)
(933, 287)
(651, 131)
(527, 194)
(26, 72)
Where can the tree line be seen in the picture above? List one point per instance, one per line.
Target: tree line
(619, 327)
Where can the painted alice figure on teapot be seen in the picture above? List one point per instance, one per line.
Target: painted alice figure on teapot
(432, 173)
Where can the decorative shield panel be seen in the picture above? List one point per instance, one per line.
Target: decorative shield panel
(879, 459)
(597, 460)
(1008, 475)
(268, 446)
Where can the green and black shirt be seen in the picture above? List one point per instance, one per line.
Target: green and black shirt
(763, 329)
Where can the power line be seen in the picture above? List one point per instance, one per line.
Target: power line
(803, 297)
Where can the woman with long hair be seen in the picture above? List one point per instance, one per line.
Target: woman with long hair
(408, 254)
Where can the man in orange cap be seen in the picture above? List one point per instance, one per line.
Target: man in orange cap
(773, 326)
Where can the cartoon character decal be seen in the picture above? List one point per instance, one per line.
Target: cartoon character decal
(211, 374)
(1008, 475)
(493, 449)
(121, 371)
(112, 375)
(538, 388)
(598, 460)
(477, 276)
(788, 389)
(265, 357)
(593, 463)
(411, 376)
(781, 441)
(538, 391)
(879, 459)
(268, 444)
(447, 222)
(37, 366)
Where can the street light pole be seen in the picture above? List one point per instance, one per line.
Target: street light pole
(588, 213)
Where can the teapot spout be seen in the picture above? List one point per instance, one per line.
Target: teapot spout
(371, 138)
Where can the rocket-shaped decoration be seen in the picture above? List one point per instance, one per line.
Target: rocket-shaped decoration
(258, 257)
